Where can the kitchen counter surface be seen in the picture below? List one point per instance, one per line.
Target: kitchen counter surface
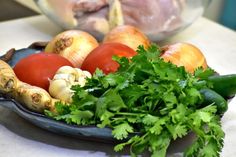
(20, 138)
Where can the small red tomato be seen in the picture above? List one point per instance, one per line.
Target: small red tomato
(37, 69)
(101, 57)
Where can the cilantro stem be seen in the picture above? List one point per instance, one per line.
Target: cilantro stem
(130, 114)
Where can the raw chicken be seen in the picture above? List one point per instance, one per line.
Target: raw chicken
(91, 16)
(151, 16)
(89, 5)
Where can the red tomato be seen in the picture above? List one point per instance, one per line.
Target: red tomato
(37, 69)
(101, 57)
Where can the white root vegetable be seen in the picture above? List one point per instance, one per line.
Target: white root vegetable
(8, 81)
(64, 79)
(34, 98)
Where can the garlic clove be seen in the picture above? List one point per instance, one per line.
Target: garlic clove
(66, 70)
(65, 95)
(87, 74)
(79, 72)
(82, 81)
(60, 89)
(66, 77)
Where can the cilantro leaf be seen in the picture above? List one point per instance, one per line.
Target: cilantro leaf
(78, 117)
(150, 119)
(121, 131)
(203, 74)
(158, 126)
(178, 130)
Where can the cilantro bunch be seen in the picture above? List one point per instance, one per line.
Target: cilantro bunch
(147, 103)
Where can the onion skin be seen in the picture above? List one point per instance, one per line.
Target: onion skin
(74, 45)
(127, 35)
(184, 54)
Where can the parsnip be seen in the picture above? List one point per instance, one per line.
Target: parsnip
(34, 98)
(64, 78)
(8, 81)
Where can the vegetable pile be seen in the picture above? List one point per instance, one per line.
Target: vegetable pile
(148, 103)
(147, 97)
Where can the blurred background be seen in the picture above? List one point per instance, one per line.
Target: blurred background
(220, 11)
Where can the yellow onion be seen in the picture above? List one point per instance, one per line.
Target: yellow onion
(184, 54)
(74, 45)
(127, 35)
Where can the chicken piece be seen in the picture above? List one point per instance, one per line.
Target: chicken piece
(89, 5)
(95, 23)
(153, 15)
(91, 16)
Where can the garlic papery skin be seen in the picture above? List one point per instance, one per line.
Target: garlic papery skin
(65, 77)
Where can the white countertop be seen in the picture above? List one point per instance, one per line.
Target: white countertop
(19, 138)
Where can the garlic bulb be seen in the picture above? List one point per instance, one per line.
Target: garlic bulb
(65, 77)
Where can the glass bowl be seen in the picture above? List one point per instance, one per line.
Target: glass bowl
(158, 19)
